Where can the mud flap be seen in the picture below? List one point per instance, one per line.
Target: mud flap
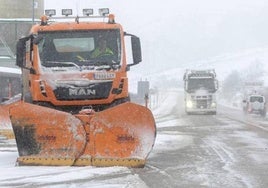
(46, 136)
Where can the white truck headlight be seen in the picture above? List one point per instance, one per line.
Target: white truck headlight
(189, 104)
(213, 105)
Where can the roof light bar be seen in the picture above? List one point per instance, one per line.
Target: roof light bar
(50, 12)
(111, 19)
(103, 11)
(66, 12)
(87, 12)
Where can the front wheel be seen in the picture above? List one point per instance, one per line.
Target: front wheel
(213, 113)
(263, 113)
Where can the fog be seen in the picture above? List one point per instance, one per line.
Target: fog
(177, 33)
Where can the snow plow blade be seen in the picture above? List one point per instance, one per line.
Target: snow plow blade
(5, 123)
(120, 136)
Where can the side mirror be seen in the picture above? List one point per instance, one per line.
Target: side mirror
(20, 54)
(136, 49)
(37, 39)
(21, 51)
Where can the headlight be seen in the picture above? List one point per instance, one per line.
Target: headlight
(189, 104)
(213, 105)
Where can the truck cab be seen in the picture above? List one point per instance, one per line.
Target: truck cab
(200, 88)
(59, 70)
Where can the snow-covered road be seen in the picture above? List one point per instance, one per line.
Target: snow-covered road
(190, 151)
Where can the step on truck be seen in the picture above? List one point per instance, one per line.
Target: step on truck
(200, 88)
(75, 107)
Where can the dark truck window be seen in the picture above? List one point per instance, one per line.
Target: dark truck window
(256, 98)
(207, 83)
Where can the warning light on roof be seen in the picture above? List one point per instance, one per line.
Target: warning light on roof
(111, 18)
(87, 12)
(66, 12)
(50, 12)
(103, 11)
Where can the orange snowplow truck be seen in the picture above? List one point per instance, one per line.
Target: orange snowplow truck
(75, 108)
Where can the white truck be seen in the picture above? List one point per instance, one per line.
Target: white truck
(200, 88)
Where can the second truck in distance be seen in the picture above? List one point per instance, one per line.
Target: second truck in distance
(200, 88)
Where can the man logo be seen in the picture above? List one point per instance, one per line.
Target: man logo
(81, 91)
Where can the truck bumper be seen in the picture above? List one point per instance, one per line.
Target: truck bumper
(201, 110)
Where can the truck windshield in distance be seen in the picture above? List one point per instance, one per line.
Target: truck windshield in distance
(200, 88)
(201, 83)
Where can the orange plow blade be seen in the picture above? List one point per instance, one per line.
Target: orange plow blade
(46, 136)
(5, 123)
(120, 136)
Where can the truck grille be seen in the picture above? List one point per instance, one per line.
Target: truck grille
(89, 92)
(201, 104)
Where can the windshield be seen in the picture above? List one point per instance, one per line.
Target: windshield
(256, 99)
(205, 83)
(80, 50)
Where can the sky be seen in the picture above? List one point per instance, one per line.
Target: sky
(176, 33)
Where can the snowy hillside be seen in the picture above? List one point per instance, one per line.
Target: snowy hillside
(224, 65)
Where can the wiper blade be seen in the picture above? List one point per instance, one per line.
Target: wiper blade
(60, 64)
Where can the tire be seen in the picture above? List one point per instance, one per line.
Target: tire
(263, 113)
(213, 113)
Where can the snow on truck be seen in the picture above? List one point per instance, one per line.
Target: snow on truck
(200, 88)
(75, 109)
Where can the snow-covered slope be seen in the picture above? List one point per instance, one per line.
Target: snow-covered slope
(224, 65)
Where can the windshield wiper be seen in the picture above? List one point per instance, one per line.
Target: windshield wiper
(100, 64)
(60, 64)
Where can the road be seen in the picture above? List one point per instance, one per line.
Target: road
(224, 150)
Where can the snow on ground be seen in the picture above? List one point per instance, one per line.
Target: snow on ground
(10, 70)
(256, 143)
(58, 177)
(61, 176)
(169, 140)
(19, 176)
(114, 177)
